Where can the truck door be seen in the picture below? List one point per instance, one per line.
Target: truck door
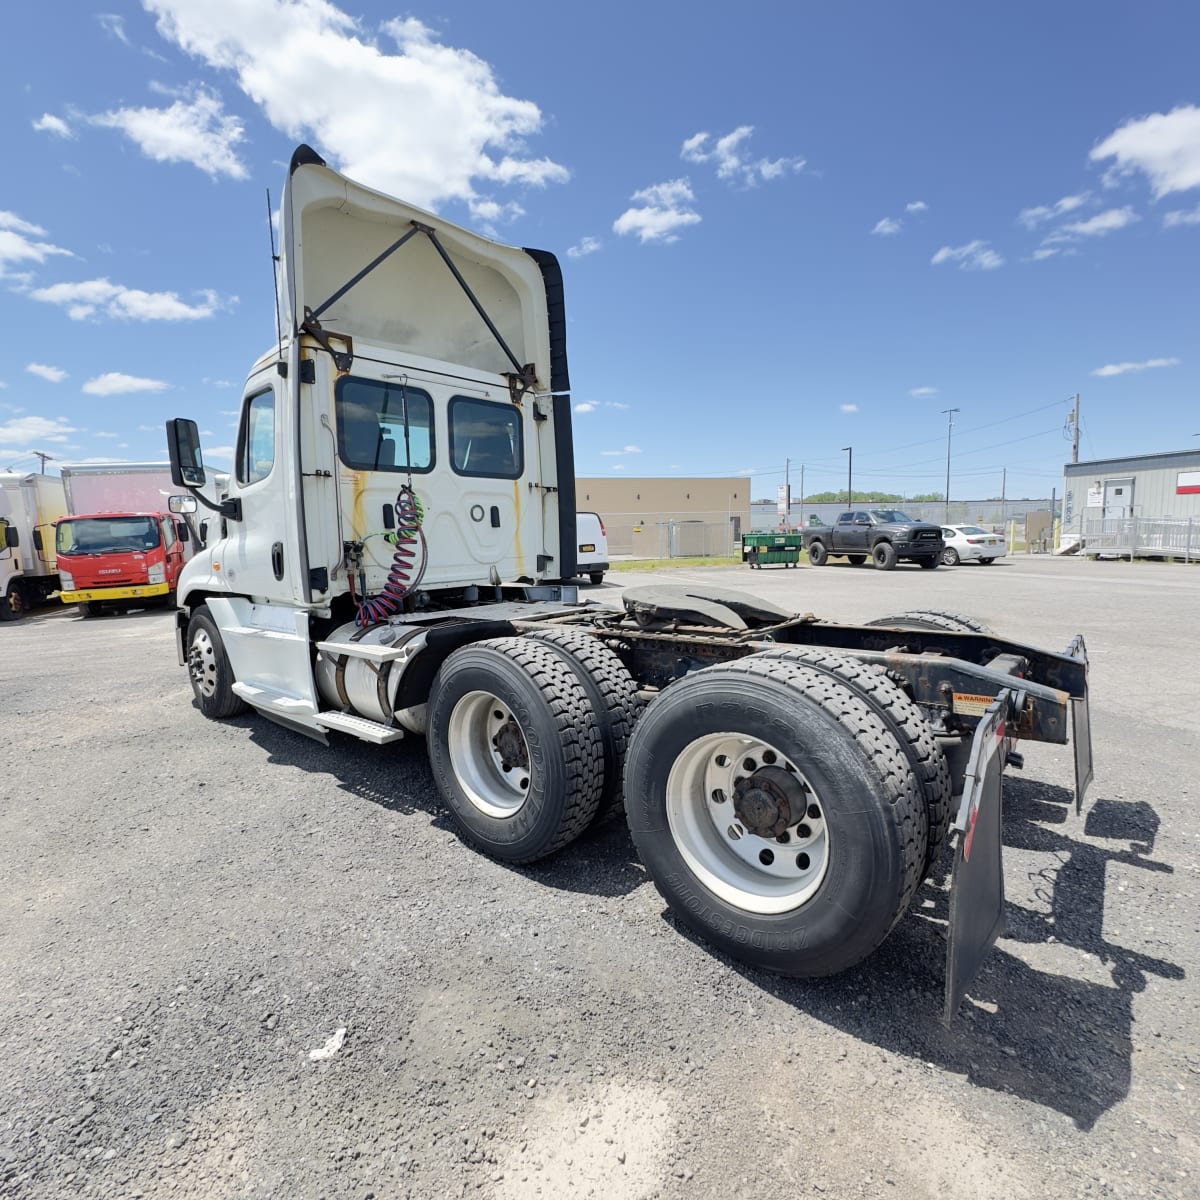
(260, 555)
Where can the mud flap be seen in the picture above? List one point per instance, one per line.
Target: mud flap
(1081, 732)
(977, 886)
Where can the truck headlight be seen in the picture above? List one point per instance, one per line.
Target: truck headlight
(66, 581)
(157, 573)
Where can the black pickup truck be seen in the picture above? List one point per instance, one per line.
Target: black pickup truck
(885, 535)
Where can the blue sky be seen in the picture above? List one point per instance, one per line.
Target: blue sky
(785, 229)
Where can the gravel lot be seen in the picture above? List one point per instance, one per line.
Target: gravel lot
(188, 909)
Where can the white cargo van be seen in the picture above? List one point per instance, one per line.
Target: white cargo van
(592, 555)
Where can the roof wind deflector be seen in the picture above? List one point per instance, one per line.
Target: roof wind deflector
(523, 377)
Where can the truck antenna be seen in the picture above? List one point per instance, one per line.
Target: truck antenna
(274, 274)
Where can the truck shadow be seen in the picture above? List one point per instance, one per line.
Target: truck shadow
(1062, 1040)
(1059, 1037)
(602, 862)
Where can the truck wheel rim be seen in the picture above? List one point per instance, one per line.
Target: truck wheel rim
(202, 663)
(748, 823)
(489, 754)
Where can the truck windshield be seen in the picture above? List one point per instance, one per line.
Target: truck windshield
(107, 535)
(891, 515)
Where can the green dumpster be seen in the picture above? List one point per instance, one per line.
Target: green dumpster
(764, 549)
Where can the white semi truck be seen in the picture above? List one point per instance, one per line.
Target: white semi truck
(30, 504)
(389, 561)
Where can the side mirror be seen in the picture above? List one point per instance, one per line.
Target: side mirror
(182, 504)
(37, 540)
(183, 446)
(204, 533)
(12, 537)
(185, 534)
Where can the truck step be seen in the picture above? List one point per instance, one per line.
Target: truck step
(269, 700)
(378, 654)
(359, 727)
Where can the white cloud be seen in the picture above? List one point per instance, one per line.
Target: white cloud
(1123, 368)
(1165, 147)
(974, 256)
(113, 25)
(16, 244)
(1184, 217)
(101, 434)
(92, 296)
(50, 374)
(1098, 226)
(726, 154)
(31, 430)
(49, 123)
(664, 208)
(916, 206)
(618, 466)
(1032, 217)
(918, 392)
(623, 451)
(585, 407)
(616, 404)
(848, 408)
(1044, 252)
(587, 245)
(887, 226)
(461, 128)
(490, 211)
(193, 130)
(114, 383)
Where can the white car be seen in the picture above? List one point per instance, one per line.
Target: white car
(592, 546)
(969, 543)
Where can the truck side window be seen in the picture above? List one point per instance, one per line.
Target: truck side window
(370, 425)
(256, 438)
(861, 519)
(846, 519)
(485, 438)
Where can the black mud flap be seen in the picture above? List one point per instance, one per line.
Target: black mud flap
(1081, 732)
(977, 886)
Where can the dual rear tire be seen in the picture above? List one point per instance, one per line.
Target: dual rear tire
(786, 806)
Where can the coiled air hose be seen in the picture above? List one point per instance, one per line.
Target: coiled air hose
(408, 561)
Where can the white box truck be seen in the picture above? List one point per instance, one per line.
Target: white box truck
(30, 504)
(397, 527)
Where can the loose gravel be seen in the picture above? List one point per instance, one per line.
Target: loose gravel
(234, 963)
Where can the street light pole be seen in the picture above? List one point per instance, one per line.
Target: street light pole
(849, 475)
(949, 429)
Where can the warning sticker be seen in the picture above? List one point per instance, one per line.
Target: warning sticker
(971, 705)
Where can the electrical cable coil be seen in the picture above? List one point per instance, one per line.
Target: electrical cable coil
(408, 562)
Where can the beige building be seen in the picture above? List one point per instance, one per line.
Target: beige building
(660, 518)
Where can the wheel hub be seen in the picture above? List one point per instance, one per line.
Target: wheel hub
(768, 802)
(510, 745)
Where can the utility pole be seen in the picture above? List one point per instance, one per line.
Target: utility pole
(849, 476)
(44, 457)
(949, 430)
(787, 489)
(1074, 422)
(801, 495)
